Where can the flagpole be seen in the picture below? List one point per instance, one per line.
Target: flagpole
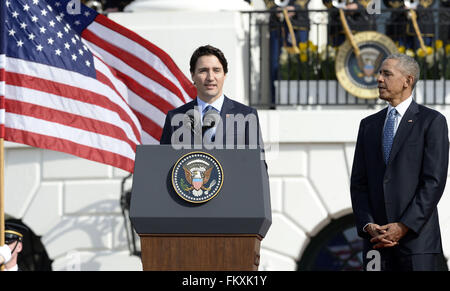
(2, 196)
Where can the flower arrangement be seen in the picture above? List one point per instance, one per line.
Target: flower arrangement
(434, 61)
(310, 63)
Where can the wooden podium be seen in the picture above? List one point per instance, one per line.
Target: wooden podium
(195, 252)
(223, 234)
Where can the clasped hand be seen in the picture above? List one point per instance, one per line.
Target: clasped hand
(386, 236)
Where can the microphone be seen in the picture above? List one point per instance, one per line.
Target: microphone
(211, 119)
(192, 120)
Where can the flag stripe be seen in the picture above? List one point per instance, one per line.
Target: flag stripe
(2, 92)
(60, 131)
(70, 147)
(109, 77)
(62, 104)
(134, 62)
(148, 109)
(151, 127)
(71, 81)
(68, 119)
(142, 79)
(148, 139)
(70, 92)
(148, 52)
(148, 105)
(146, 94)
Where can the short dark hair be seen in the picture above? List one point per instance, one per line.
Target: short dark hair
(208, 50)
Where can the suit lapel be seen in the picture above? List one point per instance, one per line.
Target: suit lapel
(227, 108)
(192, 106)
(377, 137)
(404, 129)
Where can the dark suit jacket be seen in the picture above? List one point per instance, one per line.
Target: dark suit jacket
(409, 187)
(229, 107)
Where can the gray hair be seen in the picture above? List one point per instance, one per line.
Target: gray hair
(407, 65)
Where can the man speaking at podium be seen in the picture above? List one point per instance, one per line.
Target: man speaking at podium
(211, 120)
(399, 174)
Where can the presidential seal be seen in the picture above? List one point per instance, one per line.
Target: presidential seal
(359, 75)
(197, 177)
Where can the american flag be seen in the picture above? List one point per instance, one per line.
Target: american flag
(82, 84)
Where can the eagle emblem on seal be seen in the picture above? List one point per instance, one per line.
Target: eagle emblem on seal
(197, 177)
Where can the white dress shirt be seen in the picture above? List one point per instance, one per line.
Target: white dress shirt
(216, 104)
(401, 110)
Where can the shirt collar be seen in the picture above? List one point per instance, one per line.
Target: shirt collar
(216, 104)
(402, 107)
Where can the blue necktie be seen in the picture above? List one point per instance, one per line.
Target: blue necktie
(388, 134)
(211, 127)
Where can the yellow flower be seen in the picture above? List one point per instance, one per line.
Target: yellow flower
(421, 53)
(410, 52)
(401, 49)
(302, 46)
(429, 50)
(303, 57)
(439, 44)
(447, 49)
(312, 46)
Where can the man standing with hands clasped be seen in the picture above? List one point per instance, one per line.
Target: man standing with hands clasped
(399, 173)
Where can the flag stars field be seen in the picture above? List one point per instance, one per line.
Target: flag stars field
(34, 27)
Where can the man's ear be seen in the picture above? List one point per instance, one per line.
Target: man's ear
(409, 81)
(19, 247)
